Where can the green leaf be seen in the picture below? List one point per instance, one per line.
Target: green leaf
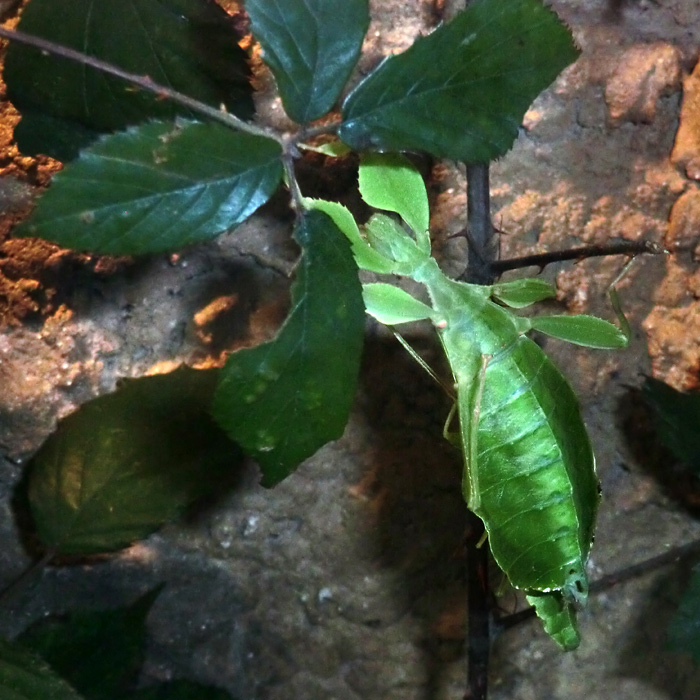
(677, 420)
(391, 305)
(179, 690)
(125, 463)
(389, 181)
(684, 629)
(365, 256)
(156, 188)
(283, 400)
(558, 618)
(187, 45)
(39, 132)
(311, 47)
(98, 653)
(521, 293)
(461, 92)
(24, 676)
(589, 331)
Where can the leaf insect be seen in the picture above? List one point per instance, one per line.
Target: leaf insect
(529, 470)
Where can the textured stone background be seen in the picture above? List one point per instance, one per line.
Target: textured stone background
(347, 581)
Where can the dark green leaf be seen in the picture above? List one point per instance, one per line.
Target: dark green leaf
(678, 420)
(283, 400)
(187, 45)
(24, 676)
(157, 187)
(179, 690)
(461, 92)
(311, 47)
(98, 653)
(124, 464)
(66, 137)
(684, 630)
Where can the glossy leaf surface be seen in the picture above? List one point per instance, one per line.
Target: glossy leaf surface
(125, 463)
(461, 92)
(98, 653)
(283, 400)
(188, 45)
(311, 47)
(155, 188)
(677, 420)
(24, 676)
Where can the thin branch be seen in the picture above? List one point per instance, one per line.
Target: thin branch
(483, 248)
(142, 81)
(482, 251)
(313, 131)
(541, 260)
(478, 612)
(686, 551)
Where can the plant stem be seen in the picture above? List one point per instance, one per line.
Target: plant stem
(9, 594)
(142, 81)
(479, 271)
(483, 250)
(543, 259)
(478, 612)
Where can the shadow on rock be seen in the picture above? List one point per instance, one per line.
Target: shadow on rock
(646, 656)
(414, 483)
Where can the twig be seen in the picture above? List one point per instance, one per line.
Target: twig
(313, 131)
(479, 270)
(543, 259)
(686, 551)
(142, 81)
(480, 232)
(478, 612)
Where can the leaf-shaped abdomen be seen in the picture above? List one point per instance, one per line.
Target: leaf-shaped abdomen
(536, 477)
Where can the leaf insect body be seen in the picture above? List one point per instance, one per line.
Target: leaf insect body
(529, 469)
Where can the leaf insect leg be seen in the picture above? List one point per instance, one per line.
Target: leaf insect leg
(615, 298)
(470, 483)
(445, 387)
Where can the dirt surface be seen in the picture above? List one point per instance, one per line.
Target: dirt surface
(347, 580)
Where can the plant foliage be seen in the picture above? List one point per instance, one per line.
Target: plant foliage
(157, 187)
(283, 400)
(461, 91)
(125, 463)
(311, 46)
(188, 45)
